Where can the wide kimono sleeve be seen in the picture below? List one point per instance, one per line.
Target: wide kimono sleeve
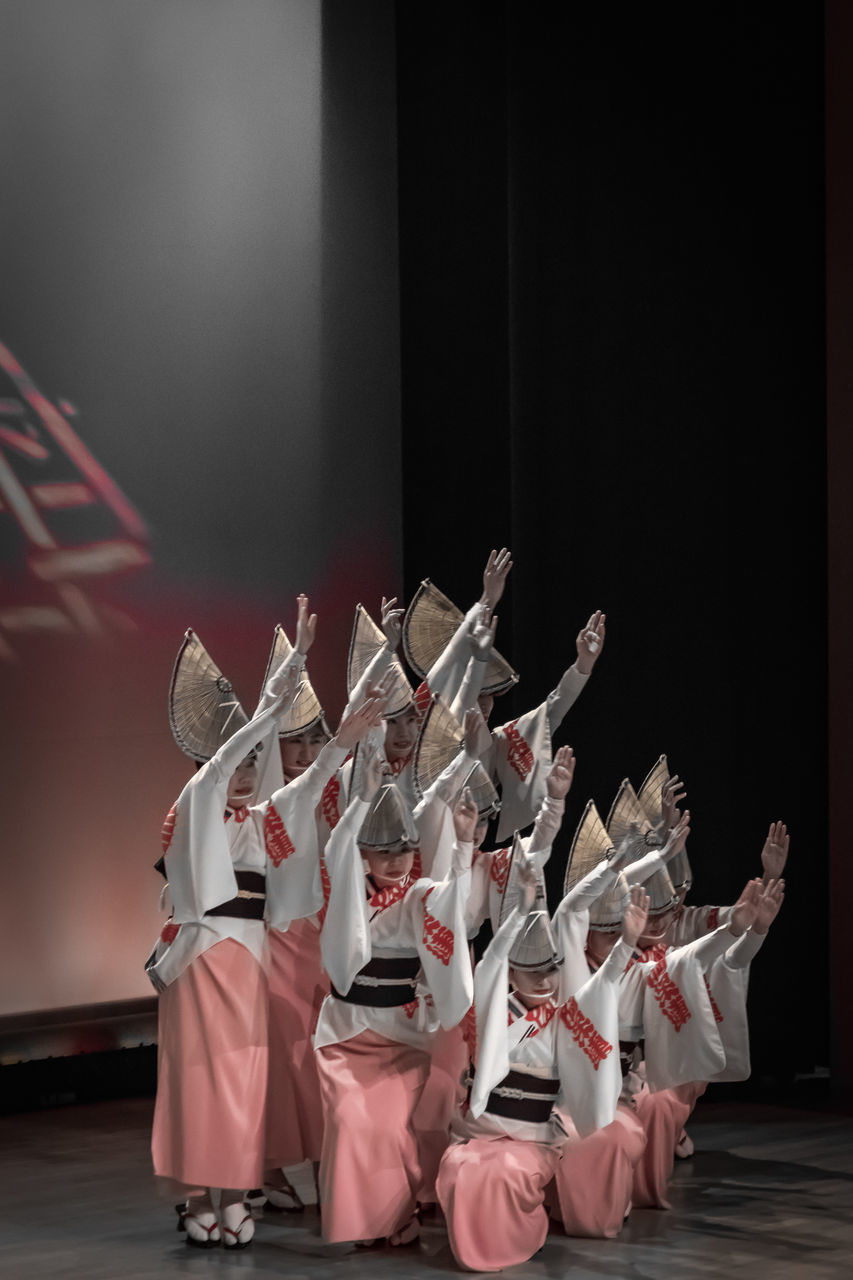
(436, 915)
(571, 919)
(434, 819)
(491, 1010)
(681, 1032)
(523, 750)
(345, 942)
(294, 882)
(446, 676)
(728, 984)
(198, 860)
(694, 922)
(587, 1045)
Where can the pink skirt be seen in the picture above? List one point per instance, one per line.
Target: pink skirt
(492, 1194)
(212, 1072)
(595, 1175)
(297, 986)
(663, 1116)
(440, 1098)
(369, 1170)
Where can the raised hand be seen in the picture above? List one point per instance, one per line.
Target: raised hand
(465, 817)
(774, 855)
(590, 642)
(495, 575)
(392, 621)
(356, 724)
(528, 879)
(559, 780)
(743, 912)
(306, 627)
(481, 633)
(372, 775)
(677, 838)
(636, 915)
(769, 900)
(671, 797)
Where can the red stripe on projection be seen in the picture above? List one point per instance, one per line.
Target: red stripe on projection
(23, 444)
(73, 446)
(61, 495)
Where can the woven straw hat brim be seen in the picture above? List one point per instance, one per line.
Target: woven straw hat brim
(439, 740)
(204, 711)
(305, 711)
(483, 791)
(650, 794)
(429, 625)
(627, 812)
(366, 641)
(591, 845)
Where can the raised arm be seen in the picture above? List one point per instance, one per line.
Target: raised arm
(589, 644)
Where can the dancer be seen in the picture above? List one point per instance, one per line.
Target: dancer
(394, 948)
(208, 965)
(533, 1051)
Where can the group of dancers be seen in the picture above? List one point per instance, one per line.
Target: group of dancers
(318, 1000)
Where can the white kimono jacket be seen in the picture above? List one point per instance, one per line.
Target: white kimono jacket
(422, 918)
(574, 1041)
(277, 839)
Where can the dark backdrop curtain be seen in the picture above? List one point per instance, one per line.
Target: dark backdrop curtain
(612, 311)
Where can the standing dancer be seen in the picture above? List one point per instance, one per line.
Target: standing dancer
(224, 878)
(394, 948)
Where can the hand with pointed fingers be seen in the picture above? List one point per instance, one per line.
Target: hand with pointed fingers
(590, 642)
(770, 899)
(677, 837)
(495, 575)
(481, 633)
(356, 724)
(636, 915)
(372, 774)
(465, 817)
(392, 621)
(528, 879)
(743, 912)
(623, 856)
(306, 627)
(670, 798)
(774, 855)
(559, 779)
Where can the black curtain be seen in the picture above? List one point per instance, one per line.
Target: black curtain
(612, 318)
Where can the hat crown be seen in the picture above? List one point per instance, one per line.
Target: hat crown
(534, 948)
(388, 823)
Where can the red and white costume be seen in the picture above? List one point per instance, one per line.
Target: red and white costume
(506, 1148)
(209, 963)
(373, 1058)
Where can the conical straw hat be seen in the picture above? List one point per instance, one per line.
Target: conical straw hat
(429, 625)
(591, 845)
(388, 823)
(605, 914)
(439, 741)
(628, 821)
(204, 711)
(534, 948)
(305, 710)
(650, 795)
(366, 641)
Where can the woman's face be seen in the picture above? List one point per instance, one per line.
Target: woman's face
(599, 944)
(480, 832)
(243, 783)
(486, 702)
(389, 868)
(299, 752)
(401, 734)
(657, 930)
(536, 986)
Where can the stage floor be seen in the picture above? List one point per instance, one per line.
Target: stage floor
(767, 1196)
